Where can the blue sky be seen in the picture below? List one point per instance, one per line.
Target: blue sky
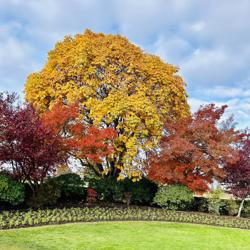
(208, 40)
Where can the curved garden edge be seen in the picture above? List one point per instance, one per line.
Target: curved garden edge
(31, 218)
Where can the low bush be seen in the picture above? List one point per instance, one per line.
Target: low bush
(108, 189)
(66, 188)
(11, 192)
(127, 191)
(57, 216)
(215, 202)
(46, 194)
(246, 209)
(174, 197)
(72, 187)
(231, 206)
(200, 204)
(142, 192)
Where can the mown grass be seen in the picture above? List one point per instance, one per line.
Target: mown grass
(125, 235)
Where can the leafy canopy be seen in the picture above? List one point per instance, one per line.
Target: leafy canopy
(237, 177)
(117, 85)
(29, 149)
(195, 150)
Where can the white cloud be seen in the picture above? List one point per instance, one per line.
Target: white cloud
(240, 109)
(198, 26)
(208, 40)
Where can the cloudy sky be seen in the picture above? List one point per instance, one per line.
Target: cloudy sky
(208, 40)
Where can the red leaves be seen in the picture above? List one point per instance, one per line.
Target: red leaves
(194, 150)
(32, 149)
(87, 143)
(238, 174)
(91, 195)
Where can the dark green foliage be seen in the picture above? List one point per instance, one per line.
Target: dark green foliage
(143, 191)
(174, 197)
(64, 188)
(72, 187)
(200, 204)
(57, 216)
(232, 207)
(108, 189)
(246, 209)
(111, 190)
(46, 194)
(11, 192)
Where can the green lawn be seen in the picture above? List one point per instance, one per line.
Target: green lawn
(125, 235)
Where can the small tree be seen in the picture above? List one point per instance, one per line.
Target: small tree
(29, 149)
(194, 150)
(238, 174)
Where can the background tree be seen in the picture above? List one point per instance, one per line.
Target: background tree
(238, 174)
(89, 144)
(117, 86)
(194, 150)
(29, 149)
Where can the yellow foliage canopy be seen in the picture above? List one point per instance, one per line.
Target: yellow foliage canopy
(118, 85)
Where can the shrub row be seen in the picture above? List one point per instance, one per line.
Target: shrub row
(31, 218)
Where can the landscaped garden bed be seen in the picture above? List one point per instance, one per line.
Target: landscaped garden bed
(16, 219)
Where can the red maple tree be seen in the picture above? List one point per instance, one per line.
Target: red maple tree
(89, 144)
(238, 174)
(29, 150)
(194, 150)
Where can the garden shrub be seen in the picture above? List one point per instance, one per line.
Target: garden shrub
(72, 187)
(142, 192)
(215, 202)
(91, 196)
(46, 194)
(200, 204)
(111, 190)
(11, 192)
(232, 207)
(108, 189)
(246, 209)
(174, 197)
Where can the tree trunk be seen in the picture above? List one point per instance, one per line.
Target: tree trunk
(240, 208)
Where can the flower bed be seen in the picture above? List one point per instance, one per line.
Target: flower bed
(58, 216)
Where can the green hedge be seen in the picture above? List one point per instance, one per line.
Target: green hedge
(11, 192)
(58, 216)
(110, 190)
(174, 197)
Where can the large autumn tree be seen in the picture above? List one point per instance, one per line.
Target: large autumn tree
(195, 150)
(237, 178)
(117, 86)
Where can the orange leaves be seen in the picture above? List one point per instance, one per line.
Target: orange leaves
(94, 144)
(87, 143)
(60, 115)
(194, 150)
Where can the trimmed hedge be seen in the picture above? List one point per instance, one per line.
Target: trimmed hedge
(174, 197)
(110, 190)
(30, 218)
